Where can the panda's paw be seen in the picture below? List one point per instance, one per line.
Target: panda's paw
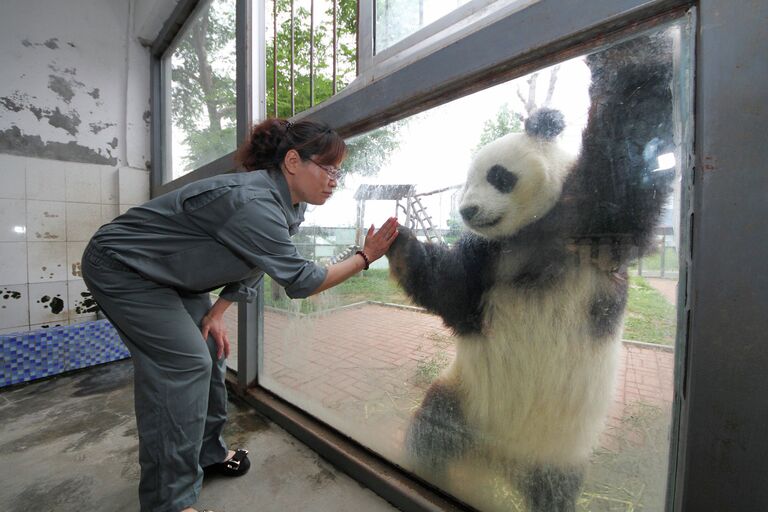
(405, 232)
(397, 254)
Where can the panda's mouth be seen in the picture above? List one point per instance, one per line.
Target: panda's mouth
(485, 223)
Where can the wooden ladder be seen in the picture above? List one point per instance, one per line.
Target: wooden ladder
(418, 214)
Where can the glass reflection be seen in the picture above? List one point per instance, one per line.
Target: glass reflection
(397, 19)
(516, 348)
(306, 61)
(200, 70)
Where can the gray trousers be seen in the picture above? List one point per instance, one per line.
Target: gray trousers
(179, 392)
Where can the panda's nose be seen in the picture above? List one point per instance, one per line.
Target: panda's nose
(468, 212)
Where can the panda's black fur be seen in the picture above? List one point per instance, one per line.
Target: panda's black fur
(604, 216)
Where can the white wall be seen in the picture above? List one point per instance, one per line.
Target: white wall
(74, 143)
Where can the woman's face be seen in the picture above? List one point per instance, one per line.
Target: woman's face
(308, 180)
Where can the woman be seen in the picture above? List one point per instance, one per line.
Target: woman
(151, 270)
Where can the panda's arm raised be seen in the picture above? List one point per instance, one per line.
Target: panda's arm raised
(446, 281)
(616, 186)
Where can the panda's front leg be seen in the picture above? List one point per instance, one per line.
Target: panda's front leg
(416, 267)
(551, 489)
(407, 259)
(447, 281)
(438, 432)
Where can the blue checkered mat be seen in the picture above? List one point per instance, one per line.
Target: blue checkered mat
(27, 356)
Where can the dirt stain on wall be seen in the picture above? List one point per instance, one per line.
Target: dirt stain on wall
(62, 87)
(97, 127)
(8, 294)
(14, 142)
(66, 123)
(52, 43)
(86, 304)
(63, 83)
(55, 304)
(12, 103)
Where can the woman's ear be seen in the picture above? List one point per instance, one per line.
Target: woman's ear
(291, 161)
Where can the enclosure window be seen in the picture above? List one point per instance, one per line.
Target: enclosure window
(365, 356)
(200, 90)
(397, 19)
(310, 54)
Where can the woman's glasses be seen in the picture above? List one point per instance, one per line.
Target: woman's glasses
(333, 172)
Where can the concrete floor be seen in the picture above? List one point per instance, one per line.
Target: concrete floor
(70, 444)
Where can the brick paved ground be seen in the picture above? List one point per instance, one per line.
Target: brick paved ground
(365, 368)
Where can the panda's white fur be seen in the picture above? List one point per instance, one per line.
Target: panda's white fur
(540, 165)
(537, 353)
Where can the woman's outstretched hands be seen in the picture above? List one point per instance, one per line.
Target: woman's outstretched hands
(376, 244)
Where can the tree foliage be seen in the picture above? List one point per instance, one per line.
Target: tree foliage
(370, 152)
(203, 78)
(506, 121)
(311, 54)
(203, 95)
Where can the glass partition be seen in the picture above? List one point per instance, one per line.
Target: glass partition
(517, 350)
(200, 90)
(397, 19)
(311, 52)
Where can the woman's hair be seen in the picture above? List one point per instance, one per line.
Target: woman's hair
(271, 139)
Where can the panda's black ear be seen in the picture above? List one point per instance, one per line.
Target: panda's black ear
(545, 123)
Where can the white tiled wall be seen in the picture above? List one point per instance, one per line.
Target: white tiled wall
(46, 262)
(48, 212)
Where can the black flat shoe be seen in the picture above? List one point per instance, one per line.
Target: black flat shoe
(238, 465)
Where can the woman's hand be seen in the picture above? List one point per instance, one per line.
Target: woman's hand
(376, 244)
(215, 326)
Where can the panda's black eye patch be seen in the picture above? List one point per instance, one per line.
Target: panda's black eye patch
(501, 179)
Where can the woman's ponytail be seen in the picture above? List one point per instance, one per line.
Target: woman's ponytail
(259, 151)
(271, 139)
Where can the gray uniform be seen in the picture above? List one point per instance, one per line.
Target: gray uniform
(150, 270)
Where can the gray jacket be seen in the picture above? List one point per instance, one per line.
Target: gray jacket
(225, 230)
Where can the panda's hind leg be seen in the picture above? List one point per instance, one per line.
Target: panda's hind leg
(551, 489)
(438, 432)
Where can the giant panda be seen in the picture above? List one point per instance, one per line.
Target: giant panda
(536, 287)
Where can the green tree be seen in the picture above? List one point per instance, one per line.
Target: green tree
(203, 79)
(506, 121)
(310, 55)
(203, 96)
(367, 153)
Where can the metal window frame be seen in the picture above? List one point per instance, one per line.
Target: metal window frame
(722, 441)
(718, 440)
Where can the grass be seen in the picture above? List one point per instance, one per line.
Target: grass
(374, 285)
(428, 368)
(649, 317)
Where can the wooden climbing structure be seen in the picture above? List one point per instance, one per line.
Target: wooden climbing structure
(407, 201)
